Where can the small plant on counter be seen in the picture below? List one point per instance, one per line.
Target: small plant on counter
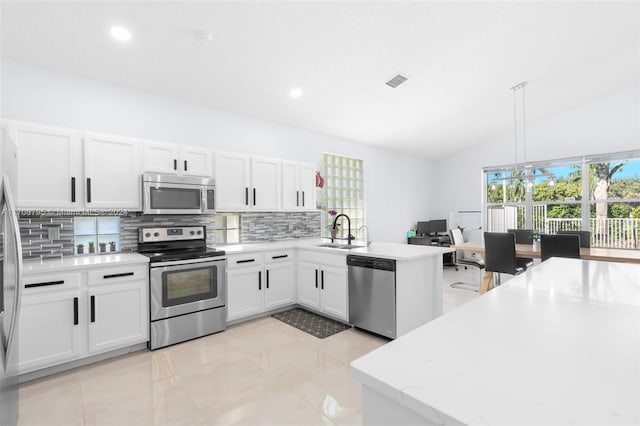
(80, 249)
(112, 246)
(92, 248)
(103, 247)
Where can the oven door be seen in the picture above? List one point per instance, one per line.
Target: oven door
(174, 198)
(186, 286)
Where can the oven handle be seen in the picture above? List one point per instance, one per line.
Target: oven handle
(187, 262)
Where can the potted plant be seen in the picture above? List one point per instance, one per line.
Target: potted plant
(92, 248)
(112, 246)
(80, 249)
(103, 247)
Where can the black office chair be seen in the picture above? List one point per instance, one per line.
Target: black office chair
(555, 245)
(523, 236)
(500, 253)
(585, 237)
(462, 259)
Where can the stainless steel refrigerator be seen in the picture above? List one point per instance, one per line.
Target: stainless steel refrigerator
(11, 285)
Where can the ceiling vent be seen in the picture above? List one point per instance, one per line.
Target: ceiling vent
(396, 80)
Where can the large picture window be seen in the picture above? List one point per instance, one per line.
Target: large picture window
(600, 194)
(343, 193)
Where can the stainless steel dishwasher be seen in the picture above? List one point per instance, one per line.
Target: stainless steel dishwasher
(372, 294)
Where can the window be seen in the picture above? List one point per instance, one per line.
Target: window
(343, 193)
(100, 232)
(227, 228)
(597, 194)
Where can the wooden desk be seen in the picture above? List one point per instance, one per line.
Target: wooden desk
(529, 250)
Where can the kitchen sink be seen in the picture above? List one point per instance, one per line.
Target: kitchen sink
(339, 246)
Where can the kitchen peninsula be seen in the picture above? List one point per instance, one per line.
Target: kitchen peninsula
(559, 344)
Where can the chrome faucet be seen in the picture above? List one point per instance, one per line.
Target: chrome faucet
(335, 223)
(366, 234)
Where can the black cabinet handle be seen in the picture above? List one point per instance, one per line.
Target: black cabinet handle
(88, 190)
(322, 280)
(185, 165)
(246, 196)
(245, 261)
(282, 256)
(75, 311)
(259, 280)
(254, 196)
(267, 278)
(316, 278)
(93, 308)
(44, 284)
(302, 198)
(73, 189)
(297, 198)
(175, 164)
(124, 274)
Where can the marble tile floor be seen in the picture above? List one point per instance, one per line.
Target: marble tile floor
(261, 372)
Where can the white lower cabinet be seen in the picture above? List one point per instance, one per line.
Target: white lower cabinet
(259, 282)
(64, 318)
(118, 308)
(322, 283)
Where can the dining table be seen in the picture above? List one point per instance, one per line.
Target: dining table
(533, 251)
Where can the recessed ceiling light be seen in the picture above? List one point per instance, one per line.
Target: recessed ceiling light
(295, 93)
(120, 33)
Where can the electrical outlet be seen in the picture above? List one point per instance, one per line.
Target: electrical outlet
(53, 233)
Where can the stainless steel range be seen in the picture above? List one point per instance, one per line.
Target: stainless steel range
(186, 284)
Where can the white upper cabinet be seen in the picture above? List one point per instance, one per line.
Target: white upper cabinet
(266, 176)
(233, 179)
(112, 172)
(49, 163)
(298, 186)
(177, 159)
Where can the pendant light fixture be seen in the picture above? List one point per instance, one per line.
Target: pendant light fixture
(529, 174)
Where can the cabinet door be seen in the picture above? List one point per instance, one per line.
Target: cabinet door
(291, 197)
(232, 181)
(266, 180)
(195, 161)
(117, 316)
(333, 284)
(112, 172)
(307, 185)
(48, 164)
(308, 285)
(245, 295)
(160, 158)
(280, 289)
(52, 329)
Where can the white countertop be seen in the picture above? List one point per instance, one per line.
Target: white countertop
(557, 345)
(387, 250)
(33, 266)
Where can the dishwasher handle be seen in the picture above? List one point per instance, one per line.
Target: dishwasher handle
(371, 262)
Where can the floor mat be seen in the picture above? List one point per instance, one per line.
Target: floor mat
(311, 323)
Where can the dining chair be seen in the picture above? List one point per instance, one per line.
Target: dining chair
(559, 245)
(523, 236)
(585, 237)
(500, 254)
(461, 258)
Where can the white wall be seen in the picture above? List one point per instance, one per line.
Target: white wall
(610, 124)
(398, 190)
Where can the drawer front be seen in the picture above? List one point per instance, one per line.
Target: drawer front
(118, 274)
(331, 259)
(243, 260)
(43, 283)
(279, 256)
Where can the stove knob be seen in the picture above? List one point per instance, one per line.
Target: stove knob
(148, 234)
(191, 232)
(199, 232)
(156, 234)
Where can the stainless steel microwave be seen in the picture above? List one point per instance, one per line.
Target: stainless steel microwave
(170, 194)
